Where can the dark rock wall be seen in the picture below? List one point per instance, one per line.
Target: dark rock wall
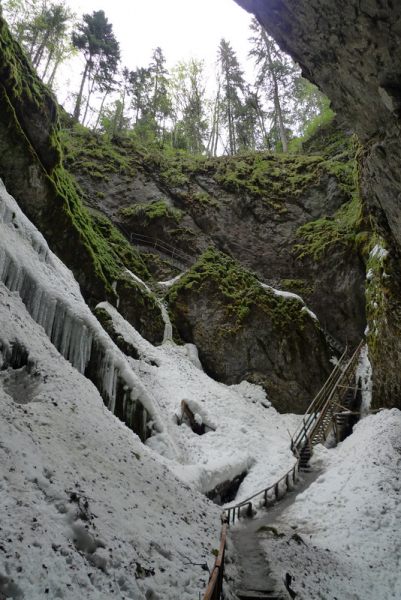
(351, 49)
(250, 208)
(245, 331)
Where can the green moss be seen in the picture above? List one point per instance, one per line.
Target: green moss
(34, 105)
(298, 286)
(271, 177)
(318, 237)
(272, 530)
(151, 212)
(130, 259)
(182, 233)
(29, 120)
(238, 291)
(103, 316)
(94, 153)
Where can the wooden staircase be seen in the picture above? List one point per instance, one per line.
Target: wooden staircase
(330, 410)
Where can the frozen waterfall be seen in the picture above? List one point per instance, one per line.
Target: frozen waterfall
(53, 299)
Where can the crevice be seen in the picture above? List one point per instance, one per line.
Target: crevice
(227, 490)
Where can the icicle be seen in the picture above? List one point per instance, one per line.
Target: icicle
(52, 298)
(168, 329)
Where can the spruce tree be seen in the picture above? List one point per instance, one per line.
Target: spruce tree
(94, 37)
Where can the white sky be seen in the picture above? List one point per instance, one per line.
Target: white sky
(182, 28)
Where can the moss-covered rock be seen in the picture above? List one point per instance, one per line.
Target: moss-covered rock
(244, 330)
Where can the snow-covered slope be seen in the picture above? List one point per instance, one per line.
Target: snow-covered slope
(349, 519)
(83, 501)
(86, 509)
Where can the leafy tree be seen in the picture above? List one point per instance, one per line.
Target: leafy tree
(140, 91)
(94, 37)
(309, 103)
(42, 30)
(160, 107)
(215, 130)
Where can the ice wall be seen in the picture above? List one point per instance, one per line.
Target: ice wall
(168, 328)
(52, 297)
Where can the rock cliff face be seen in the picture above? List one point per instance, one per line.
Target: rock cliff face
(31, 168)
(246, 330)
(296, 221)
(351, 50)
(249, 207)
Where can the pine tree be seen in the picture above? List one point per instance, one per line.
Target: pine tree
(233, 86)
(94, 37)
(275, 73)
(160, 106)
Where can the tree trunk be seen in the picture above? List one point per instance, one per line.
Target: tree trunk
(277, 104)
(49, 59)
(101, 108)
(78, 103)
(53, 74)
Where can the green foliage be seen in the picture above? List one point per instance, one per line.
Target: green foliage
(311, 127)
(318, 237)
(188, 92)
(97, 154)
(274, 178)
(43, 32)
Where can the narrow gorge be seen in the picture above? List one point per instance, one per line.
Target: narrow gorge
(148, 295)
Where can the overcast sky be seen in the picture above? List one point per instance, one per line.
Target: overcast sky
(182, 28)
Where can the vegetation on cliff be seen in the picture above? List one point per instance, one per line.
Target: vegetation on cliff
(29, 125)
(238, 291)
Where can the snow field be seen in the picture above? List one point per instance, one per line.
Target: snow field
(88, 511)
(62, 449)
(349, 518)
(249, 434)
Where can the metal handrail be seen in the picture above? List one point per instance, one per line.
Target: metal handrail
(154, 243)
(320, 428)
(325, 398)
(314, 436)
(215, 585)
(274, 486)
(315, 408)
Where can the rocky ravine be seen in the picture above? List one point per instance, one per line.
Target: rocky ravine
(351, 50)
(248, 207)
